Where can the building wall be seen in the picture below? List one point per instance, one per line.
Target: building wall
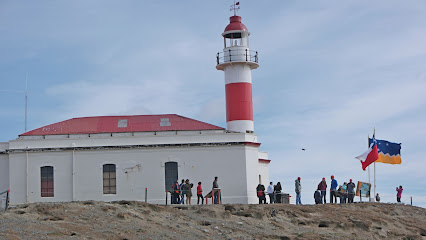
(137, 169)
(4, 172)
(264, 173)
(17, 177)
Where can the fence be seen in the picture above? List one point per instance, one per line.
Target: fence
(236, 55)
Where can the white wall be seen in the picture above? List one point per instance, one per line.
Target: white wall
(17, 177)
(4, 172)
(235, 165)
(252, 173)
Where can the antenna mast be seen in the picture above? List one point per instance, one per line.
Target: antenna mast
(26, 99)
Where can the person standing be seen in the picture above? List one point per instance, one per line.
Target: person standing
(277, 191)
(377, 197)
(333, 188)
(345, 192)
(182, 192)
(322, 186)
(176, 192)
(260, 189)
(351, 191)
(398, 193)
(200, 194)
(216, 191)
(339, 194)
(298, 190)
(271, 193)
(188, 191)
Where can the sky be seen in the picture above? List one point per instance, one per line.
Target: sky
(330, 73)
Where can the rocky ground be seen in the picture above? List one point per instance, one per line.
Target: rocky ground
(137, 220)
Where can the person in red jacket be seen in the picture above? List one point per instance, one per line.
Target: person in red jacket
(398, 193)
(322, 186)
(200, 194)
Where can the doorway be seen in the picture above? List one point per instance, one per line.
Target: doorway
(171, 175)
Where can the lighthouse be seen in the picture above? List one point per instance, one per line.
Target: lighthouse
(237, 60)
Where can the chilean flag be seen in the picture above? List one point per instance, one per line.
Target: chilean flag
(370, 156)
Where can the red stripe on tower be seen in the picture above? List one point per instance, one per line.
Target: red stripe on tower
(239, 105)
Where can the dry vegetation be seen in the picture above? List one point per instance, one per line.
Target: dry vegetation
(137, 220)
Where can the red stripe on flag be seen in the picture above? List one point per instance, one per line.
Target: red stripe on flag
(371, 157)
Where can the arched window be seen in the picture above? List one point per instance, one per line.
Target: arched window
(46, 175)
(109, 179)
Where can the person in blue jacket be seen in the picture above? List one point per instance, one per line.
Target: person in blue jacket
(333, 188)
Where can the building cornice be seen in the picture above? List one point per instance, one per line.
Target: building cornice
(149, 146)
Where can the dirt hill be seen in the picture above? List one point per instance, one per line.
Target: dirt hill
(137, 220)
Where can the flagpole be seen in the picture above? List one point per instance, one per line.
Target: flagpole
(368, 144)
(374, 179)
(374, 172)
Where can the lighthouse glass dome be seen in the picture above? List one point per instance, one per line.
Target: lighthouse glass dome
(236, 45)
(236, 39)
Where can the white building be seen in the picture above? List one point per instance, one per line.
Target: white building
(122, 157)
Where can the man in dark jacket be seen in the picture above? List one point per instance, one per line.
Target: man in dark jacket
(351, 191)
(176, 192)
(260, 189)
(277, 191)
(182, 192)
(216, 191)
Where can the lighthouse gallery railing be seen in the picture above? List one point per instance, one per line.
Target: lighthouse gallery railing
(237, 55)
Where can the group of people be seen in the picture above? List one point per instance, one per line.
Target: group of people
(185, 189)
(273, 191)
(345, 192)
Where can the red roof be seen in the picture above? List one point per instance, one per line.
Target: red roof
(115, 124)
(235, 24)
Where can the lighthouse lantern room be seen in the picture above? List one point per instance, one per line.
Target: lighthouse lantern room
(237, 60)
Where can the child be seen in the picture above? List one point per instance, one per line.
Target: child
(317, 197)
(200, 194)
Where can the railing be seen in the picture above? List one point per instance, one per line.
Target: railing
(6, 199)
(237, 55)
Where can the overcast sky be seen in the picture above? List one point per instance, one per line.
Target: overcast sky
(330, 72)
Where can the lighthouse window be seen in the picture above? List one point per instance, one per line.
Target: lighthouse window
(46, 174)
(109, 179)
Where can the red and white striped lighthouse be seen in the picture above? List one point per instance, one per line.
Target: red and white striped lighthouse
(237, 61)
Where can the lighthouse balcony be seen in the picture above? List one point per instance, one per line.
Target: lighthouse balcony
(236, 55)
